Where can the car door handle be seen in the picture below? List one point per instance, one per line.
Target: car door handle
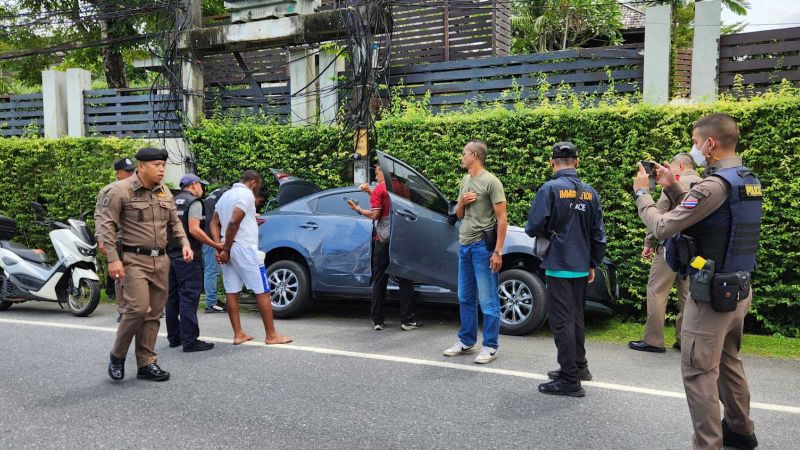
(407, 214)
(309, 226)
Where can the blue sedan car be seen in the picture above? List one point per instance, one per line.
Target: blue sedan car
(316, 246)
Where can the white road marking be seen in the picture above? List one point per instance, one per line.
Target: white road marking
(420, 362)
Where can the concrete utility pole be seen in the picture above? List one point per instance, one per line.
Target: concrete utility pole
(705, 55)
(657, 49)
(192, 81)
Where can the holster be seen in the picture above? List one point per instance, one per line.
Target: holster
(727, 289)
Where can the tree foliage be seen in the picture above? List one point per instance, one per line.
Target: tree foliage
(547, 25)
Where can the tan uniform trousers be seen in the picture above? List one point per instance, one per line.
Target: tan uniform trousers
(144, 291)
(118, 294)
(658, 287)
(713, 372)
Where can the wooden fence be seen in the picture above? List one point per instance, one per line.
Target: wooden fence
(762, 58)
(135, 112)
(451, 84)
(682, 73)
(19, 113)
(270, 101)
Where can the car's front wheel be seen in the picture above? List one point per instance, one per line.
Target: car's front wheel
(290, 286)
(523, 301)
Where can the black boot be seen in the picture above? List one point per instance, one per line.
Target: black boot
(736, 440)
(152, 372)
(116, 368)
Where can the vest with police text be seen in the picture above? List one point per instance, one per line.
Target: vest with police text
(730, 235)
(183, 200)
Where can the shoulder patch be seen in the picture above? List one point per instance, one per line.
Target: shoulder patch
(105, 201)
(698, 194)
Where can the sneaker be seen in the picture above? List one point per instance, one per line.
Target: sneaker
(459, 349)
(377, 326)
(198, 346)
(410, 326)
(736, 440)
(560, 387)
(486, 355)
(215, 309)
(583, 375)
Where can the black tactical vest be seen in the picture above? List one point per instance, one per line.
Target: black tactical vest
(730, 235)
(183, 200)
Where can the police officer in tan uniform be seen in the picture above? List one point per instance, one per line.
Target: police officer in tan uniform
(140, 211)
(662, 277)
(722, 215)
(124, 168)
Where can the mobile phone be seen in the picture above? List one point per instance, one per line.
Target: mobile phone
(650, 168)
(349, 199)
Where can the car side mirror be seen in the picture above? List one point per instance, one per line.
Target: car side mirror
(452, 218)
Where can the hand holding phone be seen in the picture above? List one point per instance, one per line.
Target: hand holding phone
(649, 167)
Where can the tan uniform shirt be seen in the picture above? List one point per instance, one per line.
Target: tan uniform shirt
(98, 210)
(710, 193)
(142, 217)
(665, 204)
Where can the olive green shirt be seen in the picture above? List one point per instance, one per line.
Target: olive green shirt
(479, 215)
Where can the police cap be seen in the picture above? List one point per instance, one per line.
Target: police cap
(565, 150)
(152, 154)
(124, 164)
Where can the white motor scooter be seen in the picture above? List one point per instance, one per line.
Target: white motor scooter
(27, 274)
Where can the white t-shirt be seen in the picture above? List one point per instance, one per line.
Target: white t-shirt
(239, 196)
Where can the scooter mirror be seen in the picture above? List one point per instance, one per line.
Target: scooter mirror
(38, 208)
(83, 216)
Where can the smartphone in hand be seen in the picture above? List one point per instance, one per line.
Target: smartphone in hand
(650, 168)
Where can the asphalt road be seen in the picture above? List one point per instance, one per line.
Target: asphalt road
(343, 385)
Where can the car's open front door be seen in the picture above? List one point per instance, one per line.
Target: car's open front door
(424, 246)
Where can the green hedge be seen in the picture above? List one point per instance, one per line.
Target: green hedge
(611, 140)
(224, 148)
(63, 174)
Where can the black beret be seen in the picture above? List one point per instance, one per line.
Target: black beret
(124, 164)
(152, 154)
(565, 150)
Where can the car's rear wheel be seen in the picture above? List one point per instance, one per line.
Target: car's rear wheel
(291, 288)
(523, 302)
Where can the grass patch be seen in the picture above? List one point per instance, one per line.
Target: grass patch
(775, 346)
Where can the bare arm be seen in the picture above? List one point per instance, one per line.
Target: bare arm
(496, 261)
(232, 229)
(197, 232)
(216, 228)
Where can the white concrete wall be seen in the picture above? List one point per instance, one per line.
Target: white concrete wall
(54, 94)
(705, 54)
(657, 41)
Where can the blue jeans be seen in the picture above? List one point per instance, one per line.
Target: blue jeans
(477, 283)
(210, 274)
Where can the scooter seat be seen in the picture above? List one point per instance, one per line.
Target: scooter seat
(24, 252)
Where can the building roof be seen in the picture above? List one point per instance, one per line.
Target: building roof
(632, 18)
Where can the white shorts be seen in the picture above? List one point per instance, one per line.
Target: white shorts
(244, 269)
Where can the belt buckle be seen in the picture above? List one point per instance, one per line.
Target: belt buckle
(153, 252)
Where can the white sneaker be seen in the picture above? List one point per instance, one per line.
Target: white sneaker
(486, 355)
(459, 349)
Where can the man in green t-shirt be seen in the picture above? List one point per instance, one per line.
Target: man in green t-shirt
(481, 206)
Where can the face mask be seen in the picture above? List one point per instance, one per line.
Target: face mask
(697, 155)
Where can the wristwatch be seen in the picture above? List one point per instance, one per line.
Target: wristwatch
(498, 252)
(640, 192)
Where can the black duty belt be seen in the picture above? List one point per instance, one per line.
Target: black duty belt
(144, 251)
